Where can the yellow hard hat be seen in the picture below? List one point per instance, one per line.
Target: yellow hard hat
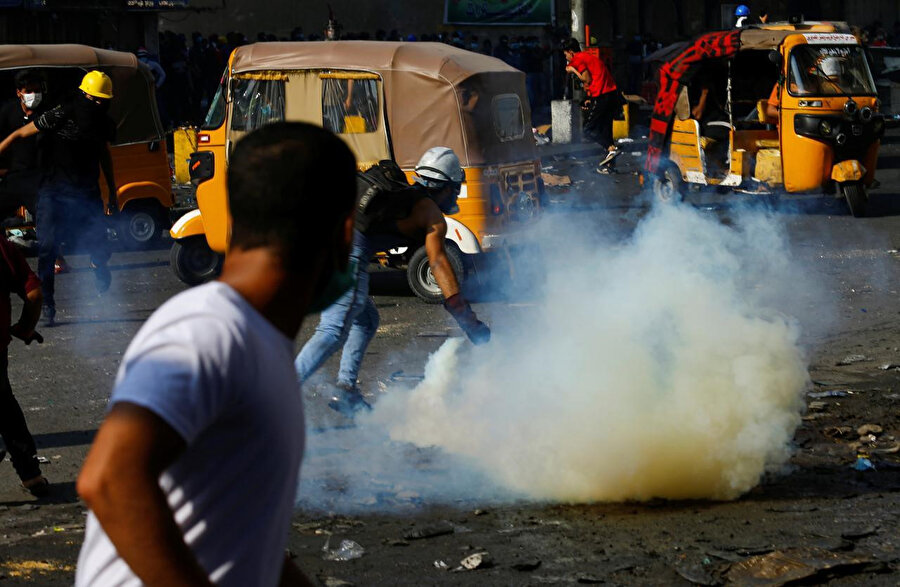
(97, 84)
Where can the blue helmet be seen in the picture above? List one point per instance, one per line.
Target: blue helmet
(742, 10)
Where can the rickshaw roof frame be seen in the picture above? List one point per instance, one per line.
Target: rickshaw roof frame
(427, 72)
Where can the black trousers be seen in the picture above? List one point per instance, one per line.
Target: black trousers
(598, 120)
(13, 428)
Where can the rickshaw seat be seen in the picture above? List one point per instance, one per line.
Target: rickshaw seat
(767, 144)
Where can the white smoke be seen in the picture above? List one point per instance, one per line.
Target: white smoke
(662, 367)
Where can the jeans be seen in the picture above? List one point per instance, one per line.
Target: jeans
(66, 212)
(14, 430)
(350, 322)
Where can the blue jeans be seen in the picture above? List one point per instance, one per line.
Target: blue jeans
(350, 322)
(66, 212)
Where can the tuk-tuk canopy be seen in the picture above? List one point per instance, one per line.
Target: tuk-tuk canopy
(428, 89)
(133, 106)
(677, 72)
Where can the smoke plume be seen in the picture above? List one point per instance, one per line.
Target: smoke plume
(664, 366)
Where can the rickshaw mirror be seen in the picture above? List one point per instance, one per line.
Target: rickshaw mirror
(775, 58)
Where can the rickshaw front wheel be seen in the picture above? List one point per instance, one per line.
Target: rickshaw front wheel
(193, 261)
(668, 188)
(140, 225)
(421, 279)
(857, 198)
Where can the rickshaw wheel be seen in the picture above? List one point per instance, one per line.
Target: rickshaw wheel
(140, 226)
(421, 279)
(857, 198)
(193, 261)
(669, 187)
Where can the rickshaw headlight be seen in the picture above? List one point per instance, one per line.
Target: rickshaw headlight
(865, 114)
(850, 107)
(825, 128)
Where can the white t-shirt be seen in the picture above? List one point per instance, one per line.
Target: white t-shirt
(223, 377)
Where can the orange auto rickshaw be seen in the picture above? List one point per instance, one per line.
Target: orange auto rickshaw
(387, 101)
(797, 111)
(140, 162)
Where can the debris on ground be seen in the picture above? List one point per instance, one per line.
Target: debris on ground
(527, 564)
(862, 463)
(429, 532)
(889, 366)
(867, 429)
(824, 394)
(798, 564)
(441, 565)
(851, 359)
(551, 180)
(401, 376)
(348, 550)
(479, 560)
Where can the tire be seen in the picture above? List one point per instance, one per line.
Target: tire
(857, 198)
(193, 261)
(669, 188)
(421, 280)
(140, 226)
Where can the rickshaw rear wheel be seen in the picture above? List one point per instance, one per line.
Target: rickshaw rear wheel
(857, 198)
(193, 261)
(668, 188)
(421, 279)
(140, 225)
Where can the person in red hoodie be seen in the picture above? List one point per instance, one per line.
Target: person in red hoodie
(602, 98)
(17, 277)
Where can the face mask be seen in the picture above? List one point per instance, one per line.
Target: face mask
(448, 205)
(338, 285)
(31, 99)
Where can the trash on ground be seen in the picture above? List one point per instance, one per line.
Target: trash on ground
(441, 565)
(888, 450)
(867, 429)
(335, 582)
(479, 560)
(862, 463)
(401, 376)
(428, 532)
(851, 359)
(348, 550)
(889, 366)
(552, 180)
(816, 406)
(838, 431)
(625, 140)
(823, 394)
(795, 565)
(857, 533)
(43, 460)
(434, 334)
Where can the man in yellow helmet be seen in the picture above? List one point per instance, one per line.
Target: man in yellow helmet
(74, 149)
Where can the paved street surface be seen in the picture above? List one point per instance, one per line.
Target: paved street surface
(818, 512)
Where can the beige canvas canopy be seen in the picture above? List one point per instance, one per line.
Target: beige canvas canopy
(133, 105)
(434, 94)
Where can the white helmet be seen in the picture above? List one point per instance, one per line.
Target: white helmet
(831, 66)
(440, 164)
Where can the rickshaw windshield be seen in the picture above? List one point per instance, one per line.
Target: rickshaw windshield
(215, 117)
(829, 70)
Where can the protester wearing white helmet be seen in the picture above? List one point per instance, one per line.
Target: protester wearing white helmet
(390, 214)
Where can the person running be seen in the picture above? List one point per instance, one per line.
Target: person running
(602, 99)
(18, 278)
(74, 150)
(391, 213)
(192, 477)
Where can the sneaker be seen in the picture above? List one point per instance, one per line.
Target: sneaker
(610, 155)
(348, 401)
(605, 170)
(37, 486)
(102, 277)
(49, 315)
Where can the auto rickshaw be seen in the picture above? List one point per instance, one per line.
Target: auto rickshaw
(823, 135)
(387, 101)
(140, 162)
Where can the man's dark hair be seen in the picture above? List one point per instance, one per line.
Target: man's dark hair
(28, 77)
(571, 45)
(290, 185)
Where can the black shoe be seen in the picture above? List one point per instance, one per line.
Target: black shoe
(348, 401)
(38, 486)
(49, 315)
(102, 277)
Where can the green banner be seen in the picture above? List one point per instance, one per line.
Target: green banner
(516, 12)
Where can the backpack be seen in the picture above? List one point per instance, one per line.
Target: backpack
(383, 197)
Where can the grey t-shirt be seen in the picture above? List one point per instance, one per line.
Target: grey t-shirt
(223, 377)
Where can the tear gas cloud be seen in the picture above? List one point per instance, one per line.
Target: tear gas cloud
(665, 365)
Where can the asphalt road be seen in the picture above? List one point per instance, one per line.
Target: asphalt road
(818, 503)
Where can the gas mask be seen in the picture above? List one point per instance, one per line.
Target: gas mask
(31, 99)
(448, 204)
(338, 284)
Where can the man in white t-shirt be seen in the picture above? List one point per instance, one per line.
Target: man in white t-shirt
(192, 477)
